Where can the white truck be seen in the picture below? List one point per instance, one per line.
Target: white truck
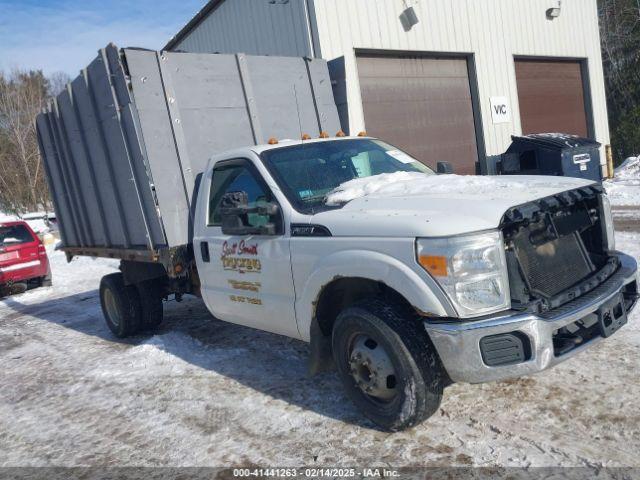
(402, 279)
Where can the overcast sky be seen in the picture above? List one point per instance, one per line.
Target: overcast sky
(64, 35)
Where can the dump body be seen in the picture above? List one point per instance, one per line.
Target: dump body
(124, 144)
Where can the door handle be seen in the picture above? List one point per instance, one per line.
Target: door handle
(204, 251)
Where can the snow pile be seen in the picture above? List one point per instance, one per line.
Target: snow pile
(624, 188)
(629, 169)
(38, 221)
(5, 217)
(412, 183)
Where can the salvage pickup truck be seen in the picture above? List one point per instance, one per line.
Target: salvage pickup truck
(402, 279)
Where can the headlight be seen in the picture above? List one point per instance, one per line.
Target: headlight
(471, 269)
(609, 231)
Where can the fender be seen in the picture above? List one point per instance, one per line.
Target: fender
(416, 286)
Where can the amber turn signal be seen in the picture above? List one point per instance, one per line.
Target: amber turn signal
(435, 265)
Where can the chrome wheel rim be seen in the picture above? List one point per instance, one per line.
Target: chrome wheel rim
(111, 308)
(372, 369)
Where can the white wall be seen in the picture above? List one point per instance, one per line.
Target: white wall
(255, 27)
(494, 30)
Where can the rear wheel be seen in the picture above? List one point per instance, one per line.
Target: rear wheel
(387, 364)
(120, 305)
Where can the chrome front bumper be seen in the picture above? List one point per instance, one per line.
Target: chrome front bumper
(458, 343)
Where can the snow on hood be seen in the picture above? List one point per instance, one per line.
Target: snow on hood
(415, 204)
(413, 183)
(624, 188)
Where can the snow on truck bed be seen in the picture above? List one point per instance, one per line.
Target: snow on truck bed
(205, 393)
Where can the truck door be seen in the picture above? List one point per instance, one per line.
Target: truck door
(244, 279)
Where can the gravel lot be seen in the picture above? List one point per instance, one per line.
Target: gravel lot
(205, 393)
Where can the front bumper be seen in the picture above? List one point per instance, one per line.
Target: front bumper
(458, 343)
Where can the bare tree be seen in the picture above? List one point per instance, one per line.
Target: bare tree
(620, 33)
(23, 94)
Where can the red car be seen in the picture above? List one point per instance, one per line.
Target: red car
(23, 258)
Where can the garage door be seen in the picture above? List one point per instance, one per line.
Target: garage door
(551, 96)
(422, 105)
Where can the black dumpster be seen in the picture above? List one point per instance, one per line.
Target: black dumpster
(552, 154)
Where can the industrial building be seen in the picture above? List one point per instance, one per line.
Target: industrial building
(446, 80)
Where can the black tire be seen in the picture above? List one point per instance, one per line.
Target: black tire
(418, 379)
(120, 305)
(47, 280)
(150, 294)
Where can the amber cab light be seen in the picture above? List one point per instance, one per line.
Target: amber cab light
(324, 135)
(273, 141)
(341, 134)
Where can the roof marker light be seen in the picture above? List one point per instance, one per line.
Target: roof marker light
(273, 141)
(306, 136)
(363, 134)
(324, 135)
(341, 134)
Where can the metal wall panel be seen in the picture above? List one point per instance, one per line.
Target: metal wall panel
(256, 27)
(124, 145)
(494, 31)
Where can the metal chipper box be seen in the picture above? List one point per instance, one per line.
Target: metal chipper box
(124, 144)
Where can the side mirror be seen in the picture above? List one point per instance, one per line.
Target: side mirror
(444, 168)
(235, 210)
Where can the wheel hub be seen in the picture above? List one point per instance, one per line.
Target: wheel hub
(111, 307)
(372, 369)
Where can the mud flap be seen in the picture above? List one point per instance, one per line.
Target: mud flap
(320, 356)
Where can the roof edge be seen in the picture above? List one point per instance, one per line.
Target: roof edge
(194, 22)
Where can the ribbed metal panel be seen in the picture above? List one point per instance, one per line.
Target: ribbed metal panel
(256, 27)
(493, 31)
(125, 143)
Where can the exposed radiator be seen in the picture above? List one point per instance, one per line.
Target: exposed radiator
(553, 266)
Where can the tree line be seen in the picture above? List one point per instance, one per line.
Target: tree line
(23, 94)
(620, 36)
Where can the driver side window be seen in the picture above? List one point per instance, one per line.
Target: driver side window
(236, 178)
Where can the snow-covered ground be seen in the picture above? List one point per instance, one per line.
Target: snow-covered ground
(205, 393)
(624, 188)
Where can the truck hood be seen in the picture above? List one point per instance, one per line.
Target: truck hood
(417, 205)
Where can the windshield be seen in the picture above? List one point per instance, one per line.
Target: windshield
(14, 235)
(307, 173)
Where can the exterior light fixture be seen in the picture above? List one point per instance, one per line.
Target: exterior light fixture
(555, 11)
(409, 18)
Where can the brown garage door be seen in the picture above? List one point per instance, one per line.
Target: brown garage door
(551, 96)
(422, 105)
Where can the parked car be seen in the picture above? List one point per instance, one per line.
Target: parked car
(23, 258)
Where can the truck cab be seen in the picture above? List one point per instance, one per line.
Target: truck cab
(403, 280)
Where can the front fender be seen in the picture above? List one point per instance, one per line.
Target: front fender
(415, 285)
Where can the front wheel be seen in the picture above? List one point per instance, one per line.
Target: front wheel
(387, 364)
